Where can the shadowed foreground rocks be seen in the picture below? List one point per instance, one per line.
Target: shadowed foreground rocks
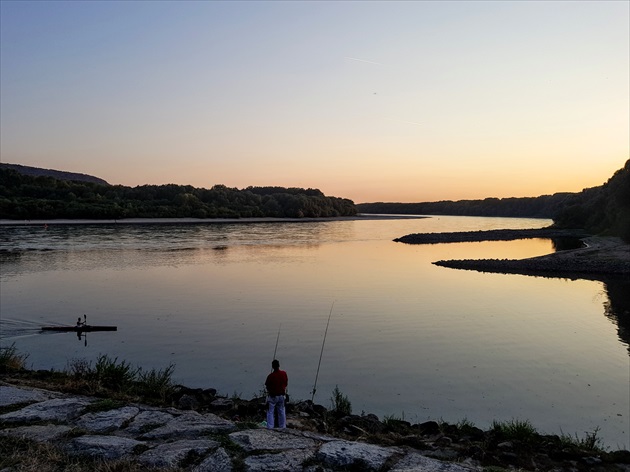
(213, 438)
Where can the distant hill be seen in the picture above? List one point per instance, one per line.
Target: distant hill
(599, 210)
(57, 174)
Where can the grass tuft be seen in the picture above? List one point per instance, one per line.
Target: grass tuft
(118, 376)
(590, 442)
(155, 383)
(19, 454)
(10, 360)
(341, 405)
(520, 430)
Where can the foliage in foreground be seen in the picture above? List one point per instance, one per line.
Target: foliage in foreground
(520, 430)
(341, 405)
(121, 377)
(117, 382)
(23, 455)
(11, 360)
(591, 441)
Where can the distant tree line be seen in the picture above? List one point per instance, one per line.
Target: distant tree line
(545, 206)
(30, 197)
(598, 210)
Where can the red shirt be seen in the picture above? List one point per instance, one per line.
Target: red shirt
(277, 382)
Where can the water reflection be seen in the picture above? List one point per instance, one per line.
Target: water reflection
(617, 307)
(565, 244)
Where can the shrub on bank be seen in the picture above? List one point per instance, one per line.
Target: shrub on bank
(10, 360)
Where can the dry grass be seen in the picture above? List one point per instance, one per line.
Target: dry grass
(23, 455)
(10, 360)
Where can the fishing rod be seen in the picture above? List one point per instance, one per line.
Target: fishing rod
(322, 352)
(277, 339)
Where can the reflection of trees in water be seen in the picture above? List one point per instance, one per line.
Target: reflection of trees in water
(564, 244)
(617, 308)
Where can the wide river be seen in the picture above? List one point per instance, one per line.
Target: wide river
(406, 338)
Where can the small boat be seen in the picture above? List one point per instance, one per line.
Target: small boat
(80, 329)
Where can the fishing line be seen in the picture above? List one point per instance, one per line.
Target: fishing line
(322, 352)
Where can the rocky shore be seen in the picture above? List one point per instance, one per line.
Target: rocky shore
(204, 432)
(599, 258)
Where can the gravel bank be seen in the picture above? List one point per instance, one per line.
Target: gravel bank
(600, 257)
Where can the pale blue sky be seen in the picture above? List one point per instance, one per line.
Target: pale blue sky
(389, 101)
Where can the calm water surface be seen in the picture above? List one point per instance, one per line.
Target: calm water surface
(406, 338)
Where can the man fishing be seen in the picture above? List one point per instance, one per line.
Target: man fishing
(276, 385)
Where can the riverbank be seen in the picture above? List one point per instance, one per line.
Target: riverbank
(196, 430)
(601, 256)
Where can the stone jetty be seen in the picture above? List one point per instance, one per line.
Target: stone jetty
(172, 438)
(184, 439)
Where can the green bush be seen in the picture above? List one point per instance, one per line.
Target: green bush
(591, 442)
(155, 383)
(10, 360)
(117, 376)
(521, 430)
(341, 405)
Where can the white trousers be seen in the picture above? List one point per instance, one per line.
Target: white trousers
(276, 403)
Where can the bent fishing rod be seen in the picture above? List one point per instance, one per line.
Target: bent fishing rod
(322, 352)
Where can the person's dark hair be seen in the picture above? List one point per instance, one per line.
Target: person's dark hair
(275, 364)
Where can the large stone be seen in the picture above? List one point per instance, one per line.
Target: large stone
(187, 402)
(415, 462)
(10, 395)
(285, 461)
(337, 454)
(218, 461)
(309, 434)
(191, 424)
(171, 454)
(39, 433)
(107, 421)
(148, 420)
(59, 409)
(104, 447)
(271, 440)
(222, 404)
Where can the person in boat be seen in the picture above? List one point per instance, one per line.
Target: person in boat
(80, 323)
(276, 385)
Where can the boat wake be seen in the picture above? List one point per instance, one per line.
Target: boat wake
(14, 329)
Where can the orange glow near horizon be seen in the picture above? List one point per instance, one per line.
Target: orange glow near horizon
(371, 101)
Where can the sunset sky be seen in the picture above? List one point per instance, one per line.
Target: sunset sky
(372, 101)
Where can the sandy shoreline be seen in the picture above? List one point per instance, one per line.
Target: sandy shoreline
(154, 221)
